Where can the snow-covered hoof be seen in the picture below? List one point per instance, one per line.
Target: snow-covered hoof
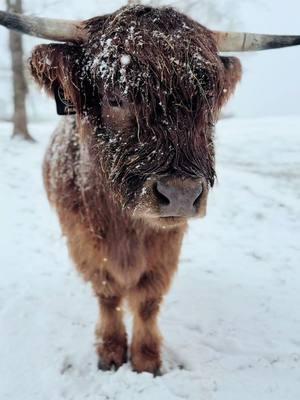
(112, 354)
(151, 367)
(146, 359)
(105, 366)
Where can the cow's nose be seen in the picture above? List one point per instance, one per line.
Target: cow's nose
(178, 197)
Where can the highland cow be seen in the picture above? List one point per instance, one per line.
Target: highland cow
(137, 160)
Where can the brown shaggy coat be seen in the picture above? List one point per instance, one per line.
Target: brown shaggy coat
(148, 87)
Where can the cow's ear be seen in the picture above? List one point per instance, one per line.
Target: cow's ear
(55, 67)
(233, 74)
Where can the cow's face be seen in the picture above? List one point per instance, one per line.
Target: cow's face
(149, 85)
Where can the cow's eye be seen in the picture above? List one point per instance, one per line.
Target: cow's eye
(114, 101)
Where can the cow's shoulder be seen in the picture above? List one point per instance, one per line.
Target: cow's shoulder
(61, 167)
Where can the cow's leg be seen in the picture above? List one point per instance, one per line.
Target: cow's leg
(145, 298)
(146, 339)
(111, 333)
(91, 262)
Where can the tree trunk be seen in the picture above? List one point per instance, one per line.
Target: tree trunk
(20, 128)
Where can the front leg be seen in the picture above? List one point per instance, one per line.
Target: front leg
(162, 250)
(146, 339)
(111, 333)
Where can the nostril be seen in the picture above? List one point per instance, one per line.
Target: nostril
(162, 199)
(196, 203)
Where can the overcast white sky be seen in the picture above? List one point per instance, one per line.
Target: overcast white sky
(271, 81)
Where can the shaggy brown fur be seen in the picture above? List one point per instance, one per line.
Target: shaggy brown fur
(148, 87)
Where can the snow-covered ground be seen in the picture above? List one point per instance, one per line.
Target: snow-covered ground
(231, 321)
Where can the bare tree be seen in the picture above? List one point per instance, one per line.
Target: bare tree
(20, 128)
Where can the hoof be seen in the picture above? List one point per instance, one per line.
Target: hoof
(146, 358)
(157, 373)
(102, 366)
(112, 354)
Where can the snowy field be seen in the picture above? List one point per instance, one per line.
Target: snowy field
(231, 321)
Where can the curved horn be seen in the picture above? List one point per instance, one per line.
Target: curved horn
(237, 41)
(46, 28)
